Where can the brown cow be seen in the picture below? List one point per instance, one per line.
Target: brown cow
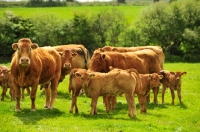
(70, 60)
(145, 83)
(31, 66)
(97, 84)
(172, 80)
(82, 54)
(157, 49)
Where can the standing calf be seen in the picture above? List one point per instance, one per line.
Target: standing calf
(172, 80)
(97, 84)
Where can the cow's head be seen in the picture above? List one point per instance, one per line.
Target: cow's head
(67, 57)
(4, 73)
(23, 49)
(155, 79)
(98, 62)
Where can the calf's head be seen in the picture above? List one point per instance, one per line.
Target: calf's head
(85, 77)
(4, 73)
(178, 77)
(155, 79)
(24, 49)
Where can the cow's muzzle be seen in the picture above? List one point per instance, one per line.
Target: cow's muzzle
(67, 66)
(24, 61)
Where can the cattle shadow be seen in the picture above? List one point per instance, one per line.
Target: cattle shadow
(61, 95)
(30, 117)
(106, 116)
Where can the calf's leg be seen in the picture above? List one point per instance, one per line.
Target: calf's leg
(93, 105)
(179, 95)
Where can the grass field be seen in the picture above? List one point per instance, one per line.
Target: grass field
(130, 12)
(160, 117)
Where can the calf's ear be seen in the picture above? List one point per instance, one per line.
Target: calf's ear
(173, 73)
(92, 75)
(14, 46)
(77, 74)
(34, 46)
(183, 73)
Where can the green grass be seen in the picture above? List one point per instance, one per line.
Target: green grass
(159, 117)
(130, 12)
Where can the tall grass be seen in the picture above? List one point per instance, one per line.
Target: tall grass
(159, 117)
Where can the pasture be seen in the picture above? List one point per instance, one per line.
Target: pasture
(130, 12)
(159, 117)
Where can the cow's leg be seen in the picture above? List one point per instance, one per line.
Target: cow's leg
(11, 94)
(54, 85)
(131, 104)
(173, 95)
(142, 102)
(114, 101)
(163, 93)
(28, 91)
(93, 105)
(3, 93)
(22, 93)
(179, 95)
(148, 98)
(33, 96)
(18, 97)
(47, 94)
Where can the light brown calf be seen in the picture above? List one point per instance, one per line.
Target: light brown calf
(97, 84)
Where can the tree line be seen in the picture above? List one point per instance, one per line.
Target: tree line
(173, 26)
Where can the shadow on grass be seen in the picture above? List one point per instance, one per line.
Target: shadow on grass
(30, 117)
(106, 116)
(62, 95)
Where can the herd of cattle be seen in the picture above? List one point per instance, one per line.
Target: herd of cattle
(110, 71)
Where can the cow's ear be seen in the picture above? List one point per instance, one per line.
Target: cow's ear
(160, 77)
(103, 56)
(34, 46)
(101, 50)
(60, 53)
(77, 74)
(74, 54)
(15, 46)
(183, 73)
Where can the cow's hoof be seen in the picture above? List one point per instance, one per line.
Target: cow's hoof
(17, 110)
(33, 110)
(45, 106)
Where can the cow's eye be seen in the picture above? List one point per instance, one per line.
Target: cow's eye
(30, 49)
(18, 48)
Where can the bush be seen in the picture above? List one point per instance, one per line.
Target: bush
(12, 29)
